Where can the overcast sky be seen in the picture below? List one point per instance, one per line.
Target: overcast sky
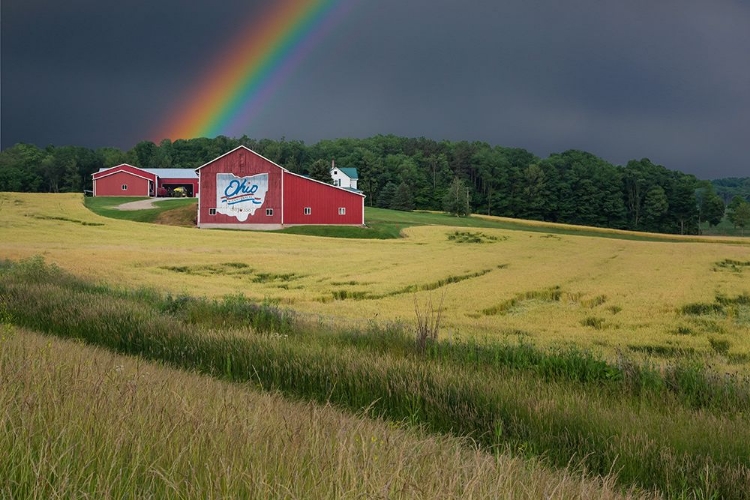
(668, 80)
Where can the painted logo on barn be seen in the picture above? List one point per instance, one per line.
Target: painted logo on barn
(240, 196)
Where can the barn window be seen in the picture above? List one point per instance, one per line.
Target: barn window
(342, 210)
(269, 212)
(308, 210)
(124, 187)
(337, 182)
(211, 211)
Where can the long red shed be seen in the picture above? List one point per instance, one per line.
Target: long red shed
(243, 190)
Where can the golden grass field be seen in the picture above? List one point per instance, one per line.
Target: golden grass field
(613, 294)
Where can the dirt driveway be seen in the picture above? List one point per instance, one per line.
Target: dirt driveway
(143, 204)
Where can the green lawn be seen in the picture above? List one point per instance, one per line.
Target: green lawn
(106, 207)
(388, 224)
(385, 224)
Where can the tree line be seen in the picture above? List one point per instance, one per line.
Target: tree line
(574, 187)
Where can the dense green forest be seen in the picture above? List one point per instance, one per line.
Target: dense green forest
(731, 187)
(573, 187)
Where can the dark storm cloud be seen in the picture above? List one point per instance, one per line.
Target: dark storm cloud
(667, 80)
(99, 73)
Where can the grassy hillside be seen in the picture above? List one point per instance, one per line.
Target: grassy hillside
(682, 430)
(107, 207)
(628, 358)
(656, 298)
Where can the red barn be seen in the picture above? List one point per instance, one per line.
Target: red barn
(244, 190)
(127, 180)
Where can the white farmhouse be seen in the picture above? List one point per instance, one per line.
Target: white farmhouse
(344, 177)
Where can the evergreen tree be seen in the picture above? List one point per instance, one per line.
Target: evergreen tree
(403, 200)
(387, 195)
(321, 171)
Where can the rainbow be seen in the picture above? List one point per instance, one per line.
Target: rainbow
(253, 67)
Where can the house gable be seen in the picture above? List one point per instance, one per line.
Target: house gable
(344, 177)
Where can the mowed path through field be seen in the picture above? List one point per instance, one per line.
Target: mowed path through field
(549, 289)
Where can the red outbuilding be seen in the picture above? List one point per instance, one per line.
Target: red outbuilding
(127, 180)
(243, 190)
(124, 180)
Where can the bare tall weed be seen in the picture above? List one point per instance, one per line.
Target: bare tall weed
(428, 321)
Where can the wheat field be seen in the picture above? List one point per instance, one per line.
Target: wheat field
(657, 298)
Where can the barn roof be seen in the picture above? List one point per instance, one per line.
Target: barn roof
(173, 173)
(104, 169)
(164, 173)
(235, 149)
(126, 168)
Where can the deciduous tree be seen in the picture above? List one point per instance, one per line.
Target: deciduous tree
(742, 216)
(456, 201)
(655, 206)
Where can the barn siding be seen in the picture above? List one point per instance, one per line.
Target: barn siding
(109, 182)
(111, 185)
(324, 200)
(242, 163)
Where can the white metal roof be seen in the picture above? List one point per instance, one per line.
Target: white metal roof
(173, 173)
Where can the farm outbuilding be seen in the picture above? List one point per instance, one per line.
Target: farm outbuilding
(124, 180)
(127, 180)
(243, 190)
(172, 178)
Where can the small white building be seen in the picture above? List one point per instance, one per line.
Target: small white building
(344, 177)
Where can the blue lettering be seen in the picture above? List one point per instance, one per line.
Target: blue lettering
(236, 187)
(232, 189)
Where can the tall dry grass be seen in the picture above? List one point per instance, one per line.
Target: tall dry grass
(81, 422)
